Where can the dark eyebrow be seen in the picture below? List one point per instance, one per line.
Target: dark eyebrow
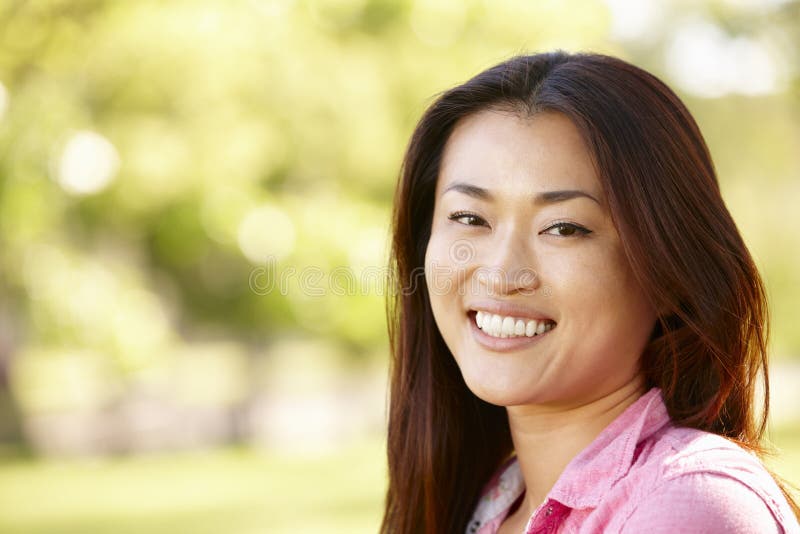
(470, 190)
(548, 197)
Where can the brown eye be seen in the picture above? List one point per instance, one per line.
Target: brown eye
(469, 219)
(565, 229)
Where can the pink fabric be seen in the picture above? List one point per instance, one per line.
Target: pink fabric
(644, 474)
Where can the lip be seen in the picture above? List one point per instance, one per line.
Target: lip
(505, 309)
(500, 344)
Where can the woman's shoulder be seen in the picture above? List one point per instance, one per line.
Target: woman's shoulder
(678, 451)
(688, 476)
(704, 501)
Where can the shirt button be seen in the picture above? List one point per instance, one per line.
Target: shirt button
(549, 510)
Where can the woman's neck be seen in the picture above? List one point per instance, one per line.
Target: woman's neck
(547, 439)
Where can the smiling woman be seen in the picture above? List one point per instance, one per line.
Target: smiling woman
(600, 317)
(584, 353)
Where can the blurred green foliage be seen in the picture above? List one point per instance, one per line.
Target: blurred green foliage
(161, 161)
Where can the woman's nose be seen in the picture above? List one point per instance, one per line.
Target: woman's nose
(508, 266)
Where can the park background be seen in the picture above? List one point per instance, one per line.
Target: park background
(162, 161)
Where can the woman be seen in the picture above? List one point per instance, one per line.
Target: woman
(580, 328)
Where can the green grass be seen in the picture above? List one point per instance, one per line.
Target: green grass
(224, 491)
(231, 491)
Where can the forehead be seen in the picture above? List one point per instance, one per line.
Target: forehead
(512, 155)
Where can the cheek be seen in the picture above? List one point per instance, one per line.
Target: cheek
(572, 281)
(626, 291)
(440, 272)
(433, 255)
(442, 284)
(607, 301)
(597, 285)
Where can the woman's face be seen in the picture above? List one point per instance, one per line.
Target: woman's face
(504, 243)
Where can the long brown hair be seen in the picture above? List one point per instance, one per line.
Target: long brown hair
(709, 345)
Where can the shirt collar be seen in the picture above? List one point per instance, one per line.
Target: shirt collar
(591, 473)
(609, 457)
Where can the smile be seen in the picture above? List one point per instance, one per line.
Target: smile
(506, 326)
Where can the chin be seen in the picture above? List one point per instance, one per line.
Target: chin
(497, 394)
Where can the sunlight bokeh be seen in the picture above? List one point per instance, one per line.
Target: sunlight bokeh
(194, 209)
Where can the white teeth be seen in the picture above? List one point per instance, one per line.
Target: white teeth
(519, 327)
(508, 326)
(495, 325)
(499, 326)
(530, 328)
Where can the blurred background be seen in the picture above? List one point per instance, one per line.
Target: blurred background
(194, 210)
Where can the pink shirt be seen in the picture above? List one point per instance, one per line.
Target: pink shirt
(644, 474)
